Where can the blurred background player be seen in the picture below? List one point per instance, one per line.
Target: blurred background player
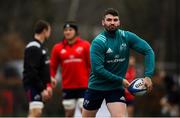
(169, 102)
(72, 54)
(36, 74)
(130, 76)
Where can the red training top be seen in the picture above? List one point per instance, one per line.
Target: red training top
(74, 61)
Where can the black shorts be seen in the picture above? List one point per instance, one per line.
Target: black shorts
(73, 93)
(94, 98)
(33, 95)
(130, 102)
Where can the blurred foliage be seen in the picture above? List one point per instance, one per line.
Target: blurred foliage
(156, 21)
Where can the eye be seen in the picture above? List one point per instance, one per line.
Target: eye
(115, 20)
(108, 19)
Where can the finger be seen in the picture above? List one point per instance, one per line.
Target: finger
(50, 93)
(46, 98)
(151, 87)
(127, 85)
(53, 84)
(148, 89)
(146, 85)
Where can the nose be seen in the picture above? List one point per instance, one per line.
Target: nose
(112, 22)
(67, 31)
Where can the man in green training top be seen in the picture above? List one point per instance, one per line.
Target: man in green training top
(109, 55)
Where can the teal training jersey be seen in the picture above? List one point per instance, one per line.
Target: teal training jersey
(110, 56)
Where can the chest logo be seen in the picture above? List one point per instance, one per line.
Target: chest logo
(63, 51)
(43, 51)
(123, 46)
(109, 50)
(79, 49)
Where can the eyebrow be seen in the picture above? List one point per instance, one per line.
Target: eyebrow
(112, 19)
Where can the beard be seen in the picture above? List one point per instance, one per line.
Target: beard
(111, 28)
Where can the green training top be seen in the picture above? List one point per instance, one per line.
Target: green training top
(110, 56)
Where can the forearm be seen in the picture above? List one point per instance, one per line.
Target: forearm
(149, 63)
(144, 48)
(101, 72)
(53, 70)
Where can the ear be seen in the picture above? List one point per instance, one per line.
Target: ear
(44, 30)
(102, 22)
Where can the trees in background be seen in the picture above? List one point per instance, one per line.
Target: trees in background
(157, 21)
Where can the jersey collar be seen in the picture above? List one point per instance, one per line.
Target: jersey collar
(38, 41)
(112, 35)
(77, 40)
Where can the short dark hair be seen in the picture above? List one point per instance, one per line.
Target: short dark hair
(111, 11)
(40, 26)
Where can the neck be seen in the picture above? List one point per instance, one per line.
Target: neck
(111, 32)
(72, 41)
(39, 37)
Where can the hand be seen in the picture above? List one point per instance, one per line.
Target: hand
(45, 95)
(49, 90)
(148, 83)
(125, 83)
(53, 82)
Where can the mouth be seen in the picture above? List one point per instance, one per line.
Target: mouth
(67, 35)
(112, 27)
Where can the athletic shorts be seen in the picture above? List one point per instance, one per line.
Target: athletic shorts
(130, 102)
(73, 97)
(73, 93)
(34, 98)
(94, 98)
(33, 95)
